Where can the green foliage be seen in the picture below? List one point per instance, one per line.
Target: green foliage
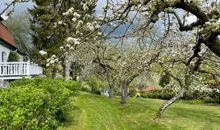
(95, 84)
(85, 87)
(38, 103)
(164, 80)
(208, 97)
(159, 94)
(193, 96)
(13, 56)
(214, 97)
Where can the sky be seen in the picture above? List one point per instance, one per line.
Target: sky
(18, 8)
(24, 6)
(21, 7)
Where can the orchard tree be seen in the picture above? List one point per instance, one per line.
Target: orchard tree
(179, 63)
(206, 13)
(123, 65)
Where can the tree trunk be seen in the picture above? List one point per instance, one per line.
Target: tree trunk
(111, 92)
(54, 72)
(214, 45)
(124, 92)
(66, 68)
(169, 102)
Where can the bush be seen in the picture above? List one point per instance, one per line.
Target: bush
(208, 97)
(95, 84)
(35, 103)
(214, 97)
(13, 57)
(164, 80)
(193, 96)
(85, 87)
(159, 94)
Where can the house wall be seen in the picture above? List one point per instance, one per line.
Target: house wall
(7, 51)
(4, 49)
(21, 58)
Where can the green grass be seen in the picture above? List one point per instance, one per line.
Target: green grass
(92, 112)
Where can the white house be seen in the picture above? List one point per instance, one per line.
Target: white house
(18, 69)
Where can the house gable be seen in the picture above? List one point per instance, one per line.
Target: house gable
(6, 36)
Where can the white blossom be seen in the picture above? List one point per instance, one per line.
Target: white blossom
(69, 11)
(91, 28)
(60, 22)
(52, 62)
(42, 52)
(97, 26)
(68, 45)
(74, 19)
(99, 33)
(75, 14)
(72, 41)
(71, 48)
(61, 47)
(53, 56)
(85, 7)
(79, 23)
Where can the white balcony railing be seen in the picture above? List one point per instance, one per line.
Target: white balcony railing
(35, 69)
(11, 69)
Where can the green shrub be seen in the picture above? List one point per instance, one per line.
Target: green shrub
(164, 80)
(208, 97)
(214, 97)
(38, 103)
(13, 56)
(85, 87)
(159, 94)
(95, 84)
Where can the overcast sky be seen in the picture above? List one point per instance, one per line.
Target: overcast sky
(24, 6)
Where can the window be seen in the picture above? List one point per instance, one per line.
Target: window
(4, 57)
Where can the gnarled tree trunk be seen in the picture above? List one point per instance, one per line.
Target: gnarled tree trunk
(124, 92)
(169, 102)
(111, 91)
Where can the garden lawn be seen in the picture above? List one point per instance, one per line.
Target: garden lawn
(92, 112)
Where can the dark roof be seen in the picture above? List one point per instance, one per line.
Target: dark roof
(6, 36)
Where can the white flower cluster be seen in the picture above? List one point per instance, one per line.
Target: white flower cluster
(69, 11)
(75, 14)
(71, 40)
(42, 52)
(52, 60)
(189, 1)
(60, 22)
(206, 89)
(93, 26)
(85, 7)
(90, 26)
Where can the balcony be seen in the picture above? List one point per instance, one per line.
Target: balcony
(17, 70)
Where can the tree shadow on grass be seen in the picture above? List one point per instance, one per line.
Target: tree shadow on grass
(72, 116)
